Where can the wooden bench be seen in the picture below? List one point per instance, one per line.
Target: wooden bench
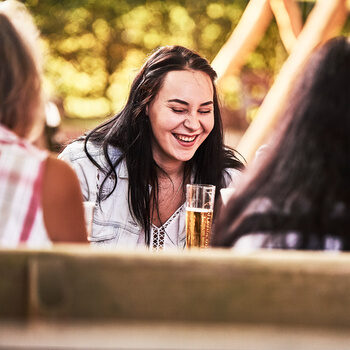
(144, 300)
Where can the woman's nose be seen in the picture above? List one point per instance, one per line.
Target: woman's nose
(192, 122)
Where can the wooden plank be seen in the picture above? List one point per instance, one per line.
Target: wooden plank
(292, 289)
(165, 336)
(13, 284)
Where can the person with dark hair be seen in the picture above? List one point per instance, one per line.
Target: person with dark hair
(135, 166)
(297, 196)
(40, 198)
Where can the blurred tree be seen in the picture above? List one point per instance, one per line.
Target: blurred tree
(95, 47)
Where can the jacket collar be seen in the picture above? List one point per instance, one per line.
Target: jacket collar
(115, 153)
(123, 170)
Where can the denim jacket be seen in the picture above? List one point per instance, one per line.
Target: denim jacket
(113, 224)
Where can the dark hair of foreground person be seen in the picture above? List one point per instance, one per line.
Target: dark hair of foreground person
(301, 186)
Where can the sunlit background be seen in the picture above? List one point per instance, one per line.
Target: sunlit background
(93, 49)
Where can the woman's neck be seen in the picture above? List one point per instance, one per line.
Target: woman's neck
(170, 195)
(173, 170)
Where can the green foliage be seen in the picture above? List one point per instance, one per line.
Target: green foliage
(95, 47)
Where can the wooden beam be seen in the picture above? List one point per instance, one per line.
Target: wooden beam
(243, 40)
(325, 20)
(289, 21)
(71, 282)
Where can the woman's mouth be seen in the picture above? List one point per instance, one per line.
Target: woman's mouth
(184, 138)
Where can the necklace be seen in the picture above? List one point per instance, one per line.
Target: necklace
(178, 189)
(168, 195)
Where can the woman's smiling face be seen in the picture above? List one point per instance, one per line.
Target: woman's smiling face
(181, 116)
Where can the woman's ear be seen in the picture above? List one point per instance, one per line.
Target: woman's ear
(147, 110)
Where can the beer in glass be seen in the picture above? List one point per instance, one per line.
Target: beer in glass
(199, 214)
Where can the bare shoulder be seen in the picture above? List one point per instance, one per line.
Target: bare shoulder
(62, 202)
(59, 173)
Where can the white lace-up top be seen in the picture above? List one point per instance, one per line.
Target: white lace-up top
(169, 233)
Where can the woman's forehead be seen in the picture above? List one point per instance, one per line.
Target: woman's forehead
(187, 84)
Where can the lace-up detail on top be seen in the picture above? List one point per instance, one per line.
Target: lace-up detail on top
(169, 229)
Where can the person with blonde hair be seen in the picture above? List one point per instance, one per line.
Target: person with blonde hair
(40, 198)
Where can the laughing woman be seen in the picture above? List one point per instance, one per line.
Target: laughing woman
(135, 166)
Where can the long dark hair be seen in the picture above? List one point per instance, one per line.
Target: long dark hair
(131, 133)
(305, 177)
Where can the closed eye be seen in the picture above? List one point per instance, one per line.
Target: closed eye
(178, 110)
(205, 112)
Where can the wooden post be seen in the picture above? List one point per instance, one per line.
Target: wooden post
(289, 21)
(244, 38)
(325, 20)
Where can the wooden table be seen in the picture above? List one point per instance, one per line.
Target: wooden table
(73, 297)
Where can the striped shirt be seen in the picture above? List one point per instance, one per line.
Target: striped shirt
(21, 171)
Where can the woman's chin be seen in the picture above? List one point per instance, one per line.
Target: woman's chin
(185, 156)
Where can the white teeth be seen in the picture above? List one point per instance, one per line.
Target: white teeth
(185, 138)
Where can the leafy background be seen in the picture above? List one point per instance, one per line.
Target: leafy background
(95, 47)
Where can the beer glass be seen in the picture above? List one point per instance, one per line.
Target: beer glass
(199, 214)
